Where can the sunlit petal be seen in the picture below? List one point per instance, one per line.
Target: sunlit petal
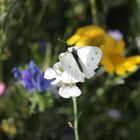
(75, 91)
(50, 73)
(67, 78)
(64, 92)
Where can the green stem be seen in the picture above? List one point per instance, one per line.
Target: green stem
(75, 118)
(40, 15)
(94, 11)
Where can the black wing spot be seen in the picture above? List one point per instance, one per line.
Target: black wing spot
(69, 66)
(92, 58)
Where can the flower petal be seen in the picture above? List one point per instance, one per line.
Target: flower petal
(91, 31)
(120, 46)
(73, 39)
(74, 91)
(2, 88)
(108, 66)
(50, 74)
(116, 34)
(17, 73)
(28, 81)
(120, 70)
(61, 56)
(67, 92)
(67, 78)
(42, 83)
(56, 81)
(64, 92)
(57, 67)
(34, 70)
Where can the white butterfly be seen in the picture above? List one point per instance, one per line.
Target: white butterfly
(81, 62)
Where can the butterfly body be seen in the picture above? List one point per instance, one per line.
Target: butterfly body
(81, 62)
(75, 55)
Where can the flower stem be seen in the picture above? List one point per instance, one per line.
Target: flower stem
(75, 118)
(94, 11)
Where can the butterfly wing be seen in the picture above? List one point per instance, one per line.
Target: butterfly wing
(70, 65)
(89, 58)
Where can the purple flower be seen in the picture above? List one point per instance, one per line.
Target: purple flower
(116, 34)
(42, 83)
(34, 70)
(31, 78)
(17, 73)
(28, 81)
(114, 114)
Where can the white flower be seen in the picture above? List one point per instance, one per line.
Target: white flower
(67, 78)
(50, 74)
(59, 75)
(57, 67)
(68, 73)
(67, 92)
(62, 77)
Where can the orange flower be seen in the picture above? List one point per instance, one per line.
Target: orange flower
(91, 35)
(114, 59)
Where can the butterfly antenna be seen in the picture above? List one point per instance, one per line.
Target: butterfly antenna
(62, 41)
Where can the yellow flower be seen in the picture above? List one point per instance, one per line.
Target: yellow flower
(114, 59)
(91, 35)
(8, 127)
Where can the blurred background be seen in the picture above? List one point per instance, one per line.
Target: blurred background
(109, 106)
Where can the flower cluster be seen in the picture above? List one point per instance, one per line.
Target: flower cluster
(91, 35)
(31, 78)
(67, 83)
(65, 77)
(114, 59)
(112, 45)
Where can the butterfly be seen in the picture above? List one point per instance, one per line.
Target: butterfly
(81, 62)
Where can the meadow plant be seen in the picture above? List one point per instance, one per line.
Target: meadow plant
(68, 80)
(31, 78)
(112, 45)
(106, 102)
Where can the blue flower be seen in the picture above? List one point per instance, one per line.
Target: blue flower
(34, 70)
(28, 81)
(32, 78)
(42, 83)
(17, 73)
